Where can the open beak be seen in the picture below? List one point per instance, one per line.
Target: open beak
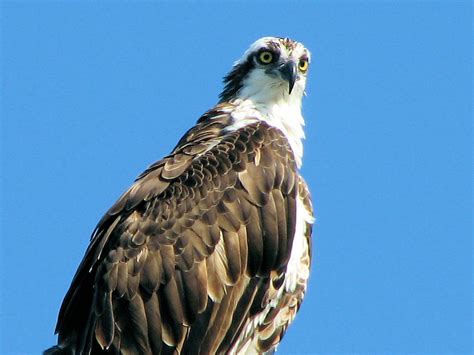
(289, 73)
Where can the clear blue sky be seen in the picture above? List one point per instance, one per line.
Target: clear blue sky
(93, 93)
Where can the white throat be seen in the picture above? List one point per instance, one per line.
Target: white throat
(277, 108)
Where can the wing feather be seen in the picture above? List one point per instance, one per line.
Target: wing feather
(187, 255)
(270, 235)
(232, 252)
(152, 312)
(255, 242)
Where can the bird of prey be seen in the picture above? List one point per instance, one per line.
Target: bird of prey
(208, 252)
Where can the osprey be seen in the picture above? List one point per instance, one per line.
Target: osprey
(209, 250)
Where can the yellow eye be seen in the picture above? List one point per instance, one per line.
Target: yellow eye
(265, 57)
(303, 65)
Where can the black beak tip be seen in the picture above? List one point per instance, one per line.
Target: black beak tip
(290, 87)
(289, 73)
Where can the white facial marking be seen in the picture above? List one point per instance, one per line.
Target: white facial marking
(266, 97)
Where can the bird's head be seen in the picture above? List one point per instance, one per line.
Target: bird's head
(272, 68)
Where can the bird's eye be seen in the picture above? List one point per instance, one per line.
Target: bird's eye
(303, 65)
(265, 57)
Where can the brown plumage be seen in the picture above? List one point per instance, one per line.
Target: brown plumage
(192, 258)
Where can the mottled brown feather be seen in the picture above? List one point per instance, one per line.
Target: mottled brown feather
(190, 245)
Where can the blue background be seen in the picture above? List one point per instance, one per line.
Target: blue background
(93, 93)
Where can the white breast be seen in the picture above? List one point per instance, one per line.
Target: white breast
(284, 114)
(296, 272)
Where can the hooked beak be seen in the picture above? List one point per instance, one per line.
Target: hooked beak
(289, 73)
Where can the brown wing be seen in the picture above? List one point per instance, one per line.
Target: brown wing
(268, 328)
(189, 252)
